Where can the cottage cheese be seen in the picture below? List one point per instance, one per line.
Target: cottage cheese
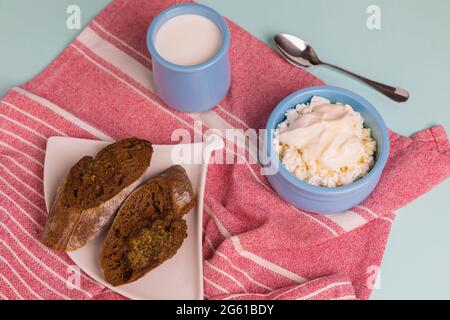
(325, 144)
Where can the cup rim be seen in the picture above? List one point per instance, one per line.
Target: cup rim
(186, 8)
(289, 103)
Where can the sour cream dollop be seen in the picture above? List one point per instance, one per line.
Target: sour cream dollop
(325, 143)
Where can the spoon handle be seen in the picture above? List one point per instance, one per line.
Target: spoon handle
(396, 94)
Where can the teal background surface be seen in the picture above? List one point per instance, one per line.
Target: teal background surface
(411, 50)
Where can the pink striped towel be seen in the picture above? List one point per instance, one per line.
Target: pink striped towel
(255, 245)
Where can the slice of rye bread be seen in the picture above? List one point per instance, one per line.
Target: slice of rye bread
(92, 191)
(149, 228)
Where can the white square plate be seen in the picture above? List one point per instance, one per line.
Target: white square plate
(180, 277)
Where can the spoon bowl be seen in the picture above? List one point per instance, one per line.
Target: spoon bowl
(296, 50)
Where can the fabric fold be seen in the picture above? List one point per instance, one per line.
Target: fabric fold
(333, 287)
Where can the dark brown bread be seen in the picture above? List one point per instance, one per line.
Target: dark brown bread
(92, 191)
(149, 228)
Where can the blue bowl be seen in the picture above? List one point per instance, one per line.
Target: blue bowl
(195, 88)
(324, 200)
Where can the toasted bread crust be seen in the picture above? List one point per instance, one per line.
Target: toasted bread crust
(149, 228)
(92, 191)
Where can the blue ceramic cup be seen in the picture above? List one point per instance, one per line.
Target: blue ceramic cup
(195, 88)
(324, 200)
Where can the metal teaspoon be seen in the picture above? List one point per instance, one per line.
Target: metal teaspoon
(299, 53)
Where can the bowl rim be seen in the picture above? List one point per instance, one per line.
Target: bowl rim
(295, 98)
(188, 8)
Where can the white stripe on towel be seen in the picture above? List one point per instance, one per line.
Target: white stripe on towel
(348, 220)
(28, 143)
(30, 115)
(22, 196)
(317, 292)
(229, 276)
(121, 41)
(21, 125)
(20, 278)
(215, 285)
(11, 287)
(66, 115)
(251, 256)
(32, 273)
(39, 261)
(44, 248)
(23, 182)
(220, 254)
